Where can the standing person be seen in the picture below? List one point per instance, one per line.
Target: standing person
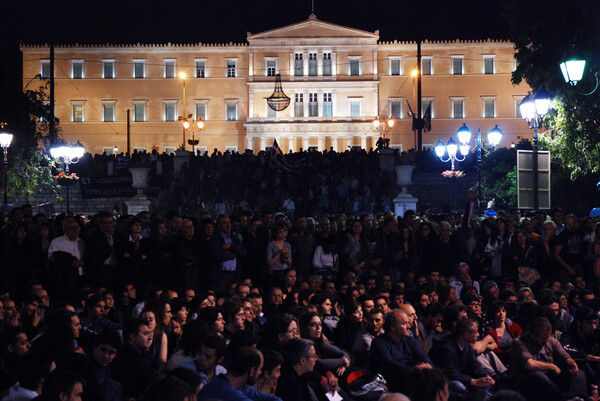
(133, 253)
(569, 251)
(303, 248)
(187, 257)
(355, 253)
(542, 369)
(279, 253)
(101, 256)
(228, 253)
(66, 255)
(131, 367)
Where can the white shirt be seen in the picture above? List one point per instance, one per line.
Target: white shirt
(64, 244)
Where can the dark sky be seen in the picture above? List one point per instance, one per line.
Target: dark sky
(217, 21)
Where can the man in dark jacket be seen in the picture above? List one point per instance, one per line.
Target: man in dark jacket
(396, 352)
(454, 354)
(303, 248)
(131, 367)
(300, 358)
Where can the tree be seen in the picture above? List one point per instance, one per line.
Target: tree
(544, 33)
(30, 168)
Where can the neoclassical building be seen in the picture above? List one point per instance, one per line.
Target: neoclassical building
(339, 80)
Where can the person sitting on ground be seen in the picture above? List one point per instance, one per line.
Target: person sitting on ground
(271, 372)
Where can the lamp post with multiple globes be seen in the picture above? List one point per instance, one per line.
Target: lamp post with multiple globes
(459, 153)
(68, 154)
(384, 127)
(5, 140)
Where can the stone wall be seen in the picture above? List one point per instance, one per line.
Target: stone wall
(434, 192)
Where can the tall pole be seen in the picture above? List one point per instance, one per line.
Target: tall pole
(419, 101)
(5, 175)
(479, 148)
(183, 115)
(52, 125)
(536, 184)
(67, 184)
(128, 133)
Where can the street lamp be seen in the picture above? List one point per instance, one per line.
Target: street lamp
(464, 136)
(68, 154)
(5, 140)
(572, 69)
(533, 109)
(384, 128)
(197, 126)
(452, 149)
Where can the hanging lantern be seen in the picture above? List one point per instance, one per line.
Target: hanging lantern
(278, 101)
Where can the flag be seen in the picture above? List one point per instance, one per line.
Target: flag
(414, 118)
(427, 119)
(289, 163)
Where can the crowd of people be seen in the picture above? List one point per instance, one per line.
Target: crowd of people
(228, 182)
(291, 307)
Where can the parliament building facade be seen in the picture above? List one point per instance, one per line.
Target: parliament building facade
(339, 80)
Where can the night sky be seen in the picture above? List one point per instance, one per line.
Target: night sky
(217, 21)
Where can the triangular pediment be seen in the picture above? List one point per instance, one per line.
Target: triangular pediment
(312, 28)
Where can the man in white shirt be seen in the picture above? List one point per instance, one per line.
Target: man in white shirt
(65, 254)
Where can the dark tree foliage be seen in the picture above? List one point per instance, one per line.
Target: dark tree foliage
(544, 33)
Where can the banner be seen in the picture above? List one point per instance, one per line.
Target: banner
(106, 187)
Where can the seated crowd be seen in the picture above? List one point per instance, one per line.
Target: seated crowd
(275, 307)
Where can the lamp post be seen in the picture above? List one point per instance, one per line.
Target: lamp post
(533, 109)
(183, 115)
(464, 137)
(68, 154)
(384, 128)
(5, 140)
(197, 126)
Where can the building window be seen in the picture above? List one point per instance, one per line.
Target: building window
(170, 69)
(425, 103)
(313, 109)
(201, 111)
(45, 69)
(354, 65)
(354, 108)
(139, 112)
(312, 64)
(457, 65)
(270, 112)
(298, 65)
(271, 67)
(232, 111)
(108, 111)
(488, 64)
(108, 69)
(489, 108)
(170, 110)
(458, 108)
(299, 105)
(78, 115)
(518, 101)
(231, 68)
(327, 64)
(77, 69)
(200, 68)
(108, 150)
(396, 109)
(426, 65)
(395, 66)
(139, 68)
(327, 105)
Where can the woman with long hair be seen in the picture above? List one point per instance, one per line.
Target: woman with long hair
(279, 253)
(490, 249)
(350, 325)
(158, 351)
(355, 252)
(503, 330)
(330, 358)
(426, 246)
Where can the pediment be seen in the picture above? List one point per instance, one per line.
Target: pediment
(312, 28)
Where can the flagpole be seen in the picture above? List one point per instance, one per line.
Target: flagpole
(419, 100)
